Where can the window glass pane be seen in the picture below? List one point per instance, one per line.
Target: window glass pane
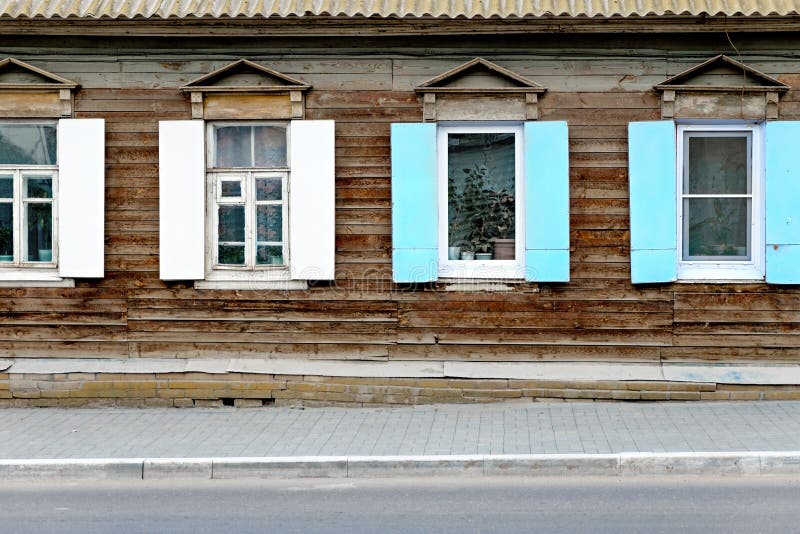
(231, 189)
(269, 255)
(716, 228)
(269, 189)
(718, 165)
(40, 231)
(231, 224)
(233, 147)
(27, 144)
(270, 146)
(270, 222)
(231, 255)
(6, 232)
(38, 187)
(480, 199)
(6, 186)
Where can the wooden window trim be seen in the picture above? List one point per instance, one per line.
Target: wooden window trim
(242, 277)
(453, 270)
(750, 270)
(20, 270)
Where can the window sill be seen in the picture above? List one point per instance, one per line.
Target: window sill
(489, 285)
(476, 287)
(272, 279)
(719, 274)
(482, 270)
(263, 285)
(721, 281)
(16, 277)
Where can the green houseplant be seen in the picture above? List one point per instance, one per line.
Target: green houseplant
(43, 236)
(476, 209)
(6, 244)
(456, 235)
(502, 227)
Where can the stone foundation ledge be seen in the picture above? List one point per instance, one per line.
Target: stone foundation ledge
(258, 390)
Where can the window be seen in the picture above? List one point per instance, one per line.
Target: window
(461, 188)
(720, 202)
(247, 193)
(229, 176)
(28, 196)
(480, 195)
(229, 193)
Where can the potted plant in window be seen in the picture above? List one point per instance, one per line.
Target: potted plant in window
(481, 242)
(475, 212)
(456, 226)
(6, 238)
(501, 209)
(44, 237)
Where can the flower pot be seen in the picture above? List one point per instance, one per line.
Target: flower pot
(6, 258)
(453, 253)
(483, 255)
(467, 255)
(504, 249)
(45, 254)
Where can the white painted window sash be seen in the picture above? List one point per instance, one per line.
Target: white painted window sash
(211, 144)
(20, 203)
(721, 270)
(217, 180)
(284, 244)
(248, 200)
(19, 268)
(250, 272)
(476, 269)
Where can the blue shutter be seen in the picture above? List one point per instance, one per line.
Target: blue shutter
(783, 202)
(415, 249)
(546, 202)
(653, 202)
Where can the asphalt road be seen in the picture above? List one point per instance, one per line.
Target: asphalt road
(407, 505)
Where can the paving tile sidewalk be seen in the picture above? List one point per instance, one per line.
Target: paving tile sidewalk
(537, 428)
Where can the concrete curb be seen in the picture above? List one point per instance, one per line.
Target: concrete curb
(629, 464)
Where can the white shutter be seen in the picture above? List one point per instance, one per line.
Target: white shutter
(181, 213)
(81, 197)
(311, 200)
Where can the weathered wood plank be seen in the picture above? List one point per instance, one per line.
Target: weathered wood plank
(555, 336)
(506, 352)
(233, 349)
(737, 302)
(522, 321)
(64, 349)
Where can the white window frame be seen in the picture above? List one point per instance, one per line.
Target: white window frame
(249, 272)
(477, 269)
(21, 270)
(720, 270)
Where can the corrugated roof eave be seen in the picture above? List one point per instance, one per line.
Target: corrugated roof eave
(451, 9)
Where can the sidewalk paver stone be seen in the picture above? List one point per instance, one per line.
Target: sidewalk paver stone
(513, 428)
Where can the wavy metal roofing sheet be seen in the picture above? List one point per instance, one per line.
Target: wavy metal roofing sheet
(391, 8)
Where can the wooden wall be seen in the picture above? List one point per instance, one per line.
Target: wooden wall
(597, 84)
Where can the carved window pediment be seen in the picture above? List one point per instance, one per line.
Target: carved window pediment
(721, 88)
(246, 90)
(30, 92)
(480, 90)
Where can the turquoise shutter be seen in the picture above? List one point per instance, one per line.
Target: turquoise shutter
(415, 243)
(783, 202)
(546, 202)
(653, 202)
